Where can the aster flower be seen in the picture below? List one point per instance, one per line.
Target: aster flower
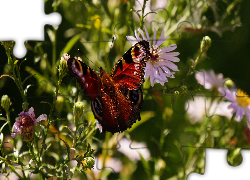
(209, 80)
(133, 153)
(25, 123)
(161, 61)
(240, 103)
(201, 107)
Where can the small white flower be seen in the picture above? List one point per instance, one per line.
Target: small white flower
(209, 80)
(133, 150)
(201, 107)
(161, 61)
(112, 164)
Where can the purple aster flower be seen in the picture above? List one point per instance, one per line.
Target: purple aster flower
(161, 61)
(240, 103)
(209, 80)
(25, 123)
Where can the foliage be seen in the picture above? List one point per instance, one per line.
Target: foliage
(69, 144)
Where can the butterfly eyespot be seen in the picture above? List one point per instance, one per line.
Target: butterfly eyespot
(97, 108)
(134, 96)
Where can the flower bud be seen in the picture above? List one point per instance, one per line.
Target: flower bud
(90, 161)
(78, 109)
(183, 90)
(63, 66)
(229, 83)
(168, 112)
(205, 43)
(59, 104)
(5, 102)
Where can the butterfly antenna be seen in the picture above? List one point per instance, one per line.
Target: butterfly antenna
(87, 57)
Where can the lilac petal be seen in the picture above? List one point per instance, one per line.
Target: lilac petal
(42, 117)
(162, 75)
(233, 106)
(161, 39)
(13, 135)
(153, 73)
(247, 113)
(31, 112)
(132, 39)
(143, 37)
(152, 80)
(166, 70)
(170, 58)
(169, 65)
(170, 54)
(230, 95)
(148, 69)
(169, 48)
(239, 113)
(137, 37)
(148, 38)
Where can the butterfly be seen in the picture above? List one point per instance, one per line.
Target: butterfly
(116, 99)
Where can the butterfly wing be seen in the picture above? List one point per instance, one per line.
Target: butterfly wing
(129, 70)
(86, 77)
(121, 104)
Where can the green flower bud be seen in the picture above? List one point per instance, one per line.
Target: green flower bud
(63, 66)
(5, 102)
(89, 162)
(59, 104)
(205, 44)
(168, 112)
(183, 90)
(229, 83)
(78, 109)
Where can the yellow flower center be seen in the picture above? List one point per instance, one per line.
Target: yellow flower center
(242, 98)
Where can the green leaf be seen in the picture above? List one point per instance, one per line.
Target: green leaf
(146, 166)
(3, 126)
(43, 82)
(68, 148)
(70, 44)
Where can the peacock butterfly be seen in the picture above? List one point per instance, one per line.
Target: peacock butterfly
(116, 99)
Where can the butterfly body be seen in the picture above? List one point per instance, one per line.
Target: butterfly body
(116, 99)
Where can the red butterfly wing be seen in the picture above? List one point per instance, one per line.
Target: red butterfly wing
(129, 70)
(86, 77)
(116, 99)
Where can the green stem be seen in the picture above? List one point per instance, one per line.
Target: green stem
(6, 161)
(142, 15)
(105, 151)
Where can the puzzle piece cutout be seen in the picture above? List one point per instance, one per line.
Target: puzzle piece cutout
(217, 167)
(19, 23)
(156, 120)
